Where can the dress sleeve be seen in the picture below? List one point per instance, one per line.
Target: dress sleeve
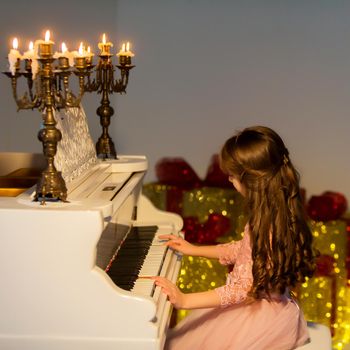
(238, 287)
(228, 252)
(240, 279)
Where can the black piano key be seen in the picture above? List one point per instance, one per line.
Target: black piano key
(122, 274)
(153, 228)
(136, 245)
(126, 280)
(132, 252)
(129, 259)
(126, 286)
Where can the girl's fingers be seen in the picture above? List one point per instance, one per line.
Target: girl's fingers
(172, 244)
(169, 239)
(163, 283)
(167, 236)
(160, 281)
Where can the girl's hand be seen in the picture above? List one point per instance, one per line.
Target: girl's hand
(179, 244)
(175, 296)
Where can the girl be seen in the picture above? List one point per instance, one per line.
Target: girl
(254, 310)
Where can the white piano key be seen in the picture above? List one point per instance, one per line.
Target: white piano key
(143, 286)
(156, 263)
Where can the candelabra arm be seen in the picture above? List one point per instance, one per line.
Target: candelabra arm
(24, 102)
(65, 98)
(90, 86)
(28, 75)
(70, 99)
(120, 85)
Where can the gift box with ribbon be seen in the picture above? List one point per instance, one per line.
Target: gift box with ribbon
(211, 208)
(325, 298)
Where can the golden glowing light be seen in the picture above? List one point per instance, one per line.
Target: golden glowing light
(15, 43)
(64, 48)
(81, 49)
(47, 35)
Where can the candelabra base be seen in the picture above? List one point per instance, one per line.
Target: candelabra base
(105, 148)
(51, 187)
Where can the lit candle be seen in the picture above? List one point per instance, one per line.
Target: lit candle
(122, 51)
(89, 55)
(80, 58)
(29, 56)
(105, 46)
(125, 54)
(45, 47)
(63, 57)
(14, 57)
(69, 55)
(64, 50)
(128, 52)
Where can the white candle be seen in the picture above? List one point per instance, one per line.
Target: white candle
(80, 57)
(89, 56)
(63, 56)
(45, 46)
(29, 55)
(125, 50)
(32, 56)
(128, 52)
(64, 49)
(88, 52)
(105, 46)
(69, 55)
(14, 56)
(81, 50)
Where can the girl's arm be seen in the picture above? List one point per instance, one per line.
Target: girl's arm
(184, 247)
(188, 301)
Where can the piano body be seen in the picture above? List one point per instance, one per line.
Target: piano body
(65, 267)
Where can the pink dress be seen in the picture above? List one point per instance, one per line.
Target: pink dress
(277, 324)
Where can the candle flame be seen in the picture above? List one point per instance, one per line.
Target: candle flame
(104, 38)
(123, 47)
(31, 46)
(15, 43)
(127, 46)
(64, 48)
(81, 49)
(88, 49)
(47, 35)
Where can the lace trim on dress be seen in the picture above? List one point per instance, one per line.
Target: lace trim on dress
(240, 279)
(228, 252)
(237, 288)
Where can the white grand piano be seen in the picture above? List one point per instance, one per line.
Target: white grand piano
(71, 273)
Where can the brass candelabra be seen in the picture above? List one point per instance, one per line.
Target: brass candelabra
(105, 84)
(47, 76)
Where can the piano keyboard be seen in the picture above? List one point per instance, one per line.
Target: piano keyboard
(140, 256)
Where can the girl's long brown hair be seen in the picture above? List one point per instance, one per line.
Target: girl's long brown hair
(281, 239)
